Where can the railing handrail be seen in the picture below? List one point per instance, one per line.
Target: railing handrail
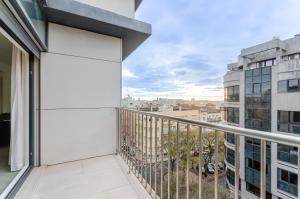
(292, 140)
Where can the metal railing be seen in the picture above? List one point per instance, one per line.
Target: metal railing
(156, 146)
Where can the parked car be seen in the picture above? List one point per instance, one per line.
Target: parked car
(221, 166)
(210, 168)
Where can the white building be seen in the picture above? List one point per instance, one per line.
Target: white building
(262, 91)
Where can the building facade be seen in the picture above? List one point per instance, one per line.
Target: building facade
(262, 92)
(60, 80)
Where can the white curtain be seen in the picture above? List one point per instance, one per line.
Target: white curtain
(17, 140)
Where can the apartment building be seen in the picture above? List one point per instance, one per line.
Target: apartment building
(262, 92)
(60, 84)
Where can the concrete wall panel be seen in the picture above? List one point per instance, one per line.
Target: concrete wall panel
(75, 134)
(74, 82)
(76, 42)
(80, 86)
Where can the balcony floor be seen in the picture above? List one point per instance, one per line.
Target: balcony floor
(103, 177)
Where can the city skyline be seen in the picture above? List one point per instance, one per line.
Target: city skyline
(190, 63)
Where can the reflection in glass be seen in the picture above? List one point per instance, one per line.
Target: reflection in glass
(33, 11)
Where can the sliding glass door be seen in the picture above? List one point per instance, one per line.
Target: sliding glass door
(14, 112)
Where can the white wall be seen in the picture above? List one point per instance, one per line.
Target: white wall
(80, 86)
(121, 7)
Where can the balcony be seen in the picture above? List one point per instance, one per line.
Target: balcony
(102, 177)
(158, 157)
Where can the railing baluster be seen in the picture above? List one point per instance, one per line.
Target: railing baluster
(118, 131)
(146, 159)
(216, 163)
(263, 170)
(122, 135)
(130, 139)
(188, 163)
(151, 134)
(142, 139)
(200, 162)
(135, 144)
(169, 158)
(177, 161)
(298, 171)
(237, 170)
(138, 145)
(121, 129)
(162, 158)
(155, 171)
(125, 136)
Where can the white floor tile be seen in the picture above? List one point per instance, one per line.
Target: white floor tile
(103, 177)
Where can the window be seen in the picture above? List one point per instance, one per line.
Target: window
(230, 176)
(33, 10)
(287, 181)
(266, 63)
(287, 154)
(230, 156)
(295, 117)
(232, 115)
(236, 92)
(253, 189)
(232, 94)
(289, 121)
(229, 92)
(236, 115)
(282, 86)
(256, 89)
(293, 85)
(249, 89)
(291, 56)
(269, 63)
(253, 164)
(257, 72)
(230, 138)
(258, 98)
(266, 88)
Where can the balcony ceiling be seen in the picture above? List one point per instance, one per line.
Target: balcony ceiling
(82, 16)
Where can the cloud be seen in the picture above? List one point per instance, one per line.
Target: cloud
(127, 74)
(194, 40)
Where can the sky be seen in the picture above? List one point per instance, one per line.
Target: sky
(192, 42)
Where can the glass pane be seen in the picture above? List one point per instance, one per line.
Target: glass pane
(283, 117)
(256, 72)
(266, 78)
(249, 73)
(256, 89)
(269, 63)
(293, 178)
(295, 117)
(32, 9)
(266, 88)
(230, 91)
(284, 175)
(293, 85)
(282, 86)
(257, 79)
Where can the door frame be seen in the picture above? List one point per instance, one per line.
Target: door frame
(17, 182)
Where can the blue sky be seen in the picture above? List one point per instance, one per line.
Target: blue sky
(194, 40)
